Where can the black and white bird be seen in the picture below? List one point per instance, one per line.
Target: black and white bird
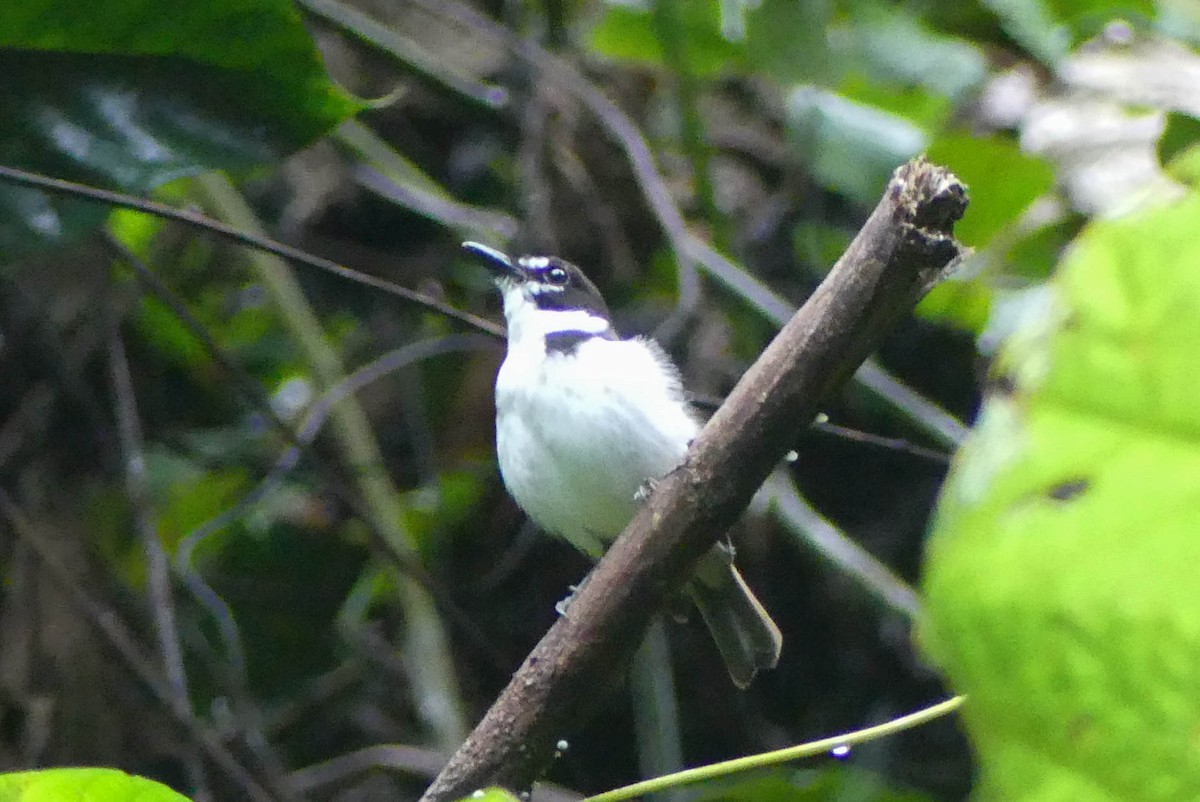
(584, 418)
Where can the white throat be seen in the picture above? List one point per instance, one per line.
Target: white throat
(528, 323)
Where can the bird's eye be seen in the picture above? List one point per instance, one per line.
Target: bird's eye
(557, 276)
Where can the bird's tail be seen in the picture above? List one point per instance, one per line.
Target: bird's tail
(746, 637)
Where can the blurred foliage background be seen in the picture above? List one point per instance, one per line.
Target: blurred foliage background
(229, 568)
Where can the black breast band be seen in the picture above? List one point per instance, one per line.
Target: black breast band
(565, 342)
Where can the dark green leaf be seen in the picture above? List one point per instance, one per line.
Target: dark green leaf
(122, 95)
(1181, 133)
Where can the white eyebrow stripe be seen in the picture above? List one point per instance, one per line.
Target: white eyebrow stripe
(534, 261)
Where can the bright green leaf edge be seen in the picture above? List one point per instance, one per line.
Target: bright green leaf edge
(83, 785)
(493, 794)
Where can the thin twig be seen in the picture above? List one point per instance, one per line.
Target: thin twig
(936, 422)
(291, 456)
(667, 19)
(417, 761)
(199, 588)
(158, 567)
(425, 642)
(258, 242)
(815, 532)
(26, 318)
(894, 444)
(558, 71)
(122, 641)
(810, 749)
(449, 213)
(409, 51)
(897, 256)
(314, 421)
(617, 251)
(831, 543)
(314, 693)
(403, 182)
(250, 386)
(534, 195)
(822, 425)
(947, 430)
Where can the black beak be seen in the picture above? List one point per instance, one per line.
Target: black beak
(495, 261)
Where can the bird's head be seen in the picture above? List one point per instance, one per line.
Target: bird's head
(544, 294)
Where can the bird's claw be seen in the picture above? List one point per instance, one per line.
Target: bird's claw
(561, 606)
(644, 490)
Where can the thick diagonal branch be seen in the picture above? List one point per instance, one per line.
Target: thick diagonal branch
(901, 251)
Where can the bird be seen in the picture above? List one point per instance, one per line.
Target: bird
(587, 420)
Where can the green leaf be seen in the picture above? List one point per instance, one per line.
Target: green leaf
(1033, 24)
(490, 795)
(119, 94)
(187, 494)
(783, 38)
(898, 49)
(1061, 574)
(1088, 18)
(1049, 29)
(787, 40)
(1002, 182)
(440, 505)
(923, 109)
(965, 303)
(82, 785)
(852, 148)
(1033, 256)
(628, 34)
(1185, 167)
(1181, 133)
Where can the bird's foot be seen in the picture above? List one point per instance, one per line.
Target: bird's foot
(561, 606)
(644, 490)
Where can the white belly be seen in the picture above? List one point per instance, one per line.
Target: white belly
(575, 446)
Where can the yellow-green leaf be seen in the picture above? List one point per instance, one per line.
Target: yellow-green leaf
(82, 785)
(490, 795)
(1061, 577)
